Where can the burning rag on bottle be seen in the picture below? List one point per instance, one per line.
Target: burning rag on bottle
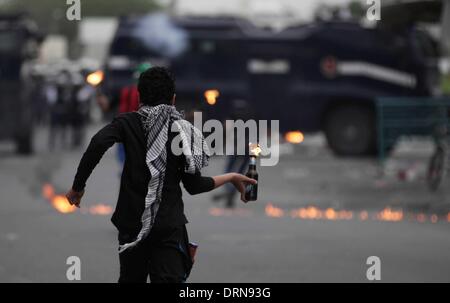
(156, 121)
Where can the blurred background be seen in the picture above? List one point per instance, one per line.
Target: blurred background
(363, 107)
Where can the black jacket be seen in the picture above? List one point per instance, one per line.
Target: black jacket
(127, 129)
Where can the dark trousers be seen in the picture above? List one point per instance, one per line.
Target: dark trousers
(163, 256)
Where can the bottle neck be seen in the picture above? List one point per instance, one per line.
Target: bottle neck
(252, 161)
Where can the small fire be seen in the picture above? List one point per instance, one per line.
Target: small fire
(345, 215)
(58, 202)
(61, 204)
(95, 78)
(220, 212)
(216, 212)
(421, 218)
(434, 218)
(388, 214)
(211, 96)
(313, 213)
(364, 215)
(331, 214)
(48, 192)
(255, 149)
(307, 213)
(295, 137)
(273, 211)
(100, 210)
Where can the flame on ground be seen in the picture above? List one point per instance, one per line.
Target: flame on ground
(273, 211)
(48, 192)
(101, 210)
(62, 205)
(221, 212)
(315, 213)
(58, 202)
(388, 214)
(364, 215)
(434, 218)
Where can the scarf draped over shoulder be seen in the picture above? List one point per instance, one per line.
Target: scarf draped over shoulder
(156, 121)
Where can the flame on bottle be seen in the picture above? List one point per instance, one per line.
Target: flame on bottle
(255, 149)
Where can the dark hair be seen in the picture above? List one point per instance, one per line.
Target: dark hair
(156, 86)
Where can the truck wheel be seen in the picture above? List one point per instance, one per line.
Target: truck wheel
(350, 131)
(24, 145)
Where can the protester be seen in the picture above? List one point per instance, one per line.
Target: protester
(59, 98)
(149, 215)
(235, 162)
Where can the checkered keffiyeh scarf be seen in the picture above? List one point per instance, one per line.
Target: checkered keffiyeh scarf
(156, 121)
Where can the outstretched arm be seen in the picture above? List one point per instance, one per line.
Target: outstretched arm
(197, 184)
(239, 181)
(99, 144)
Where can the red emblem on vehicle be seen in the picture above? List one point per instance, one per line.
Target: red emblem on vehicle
(328, 66)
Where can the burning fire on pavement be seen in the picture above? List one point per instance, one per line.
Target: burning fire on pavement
(60, 203)
(387, 214)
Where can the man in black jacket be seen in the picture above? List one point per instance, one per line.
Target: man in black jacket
(164, 253)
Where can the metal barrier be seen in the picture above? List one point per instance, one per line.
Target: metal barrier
(409, 116)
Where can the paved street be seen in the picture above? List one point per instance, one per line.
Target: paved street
(318, 219)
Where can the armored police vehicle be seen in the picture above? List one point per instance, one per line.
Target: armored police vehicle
(322, 76)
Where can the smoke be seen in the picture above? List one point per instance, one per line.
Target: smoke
(158, 33)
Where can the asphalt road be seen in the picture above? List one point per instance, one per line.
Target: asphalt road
(318, 219)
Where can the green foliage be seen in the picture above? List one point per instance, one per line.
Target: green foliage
(446, 84)
(357, 9)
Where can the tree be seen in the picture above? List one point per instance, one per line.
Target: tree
(357, 9)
